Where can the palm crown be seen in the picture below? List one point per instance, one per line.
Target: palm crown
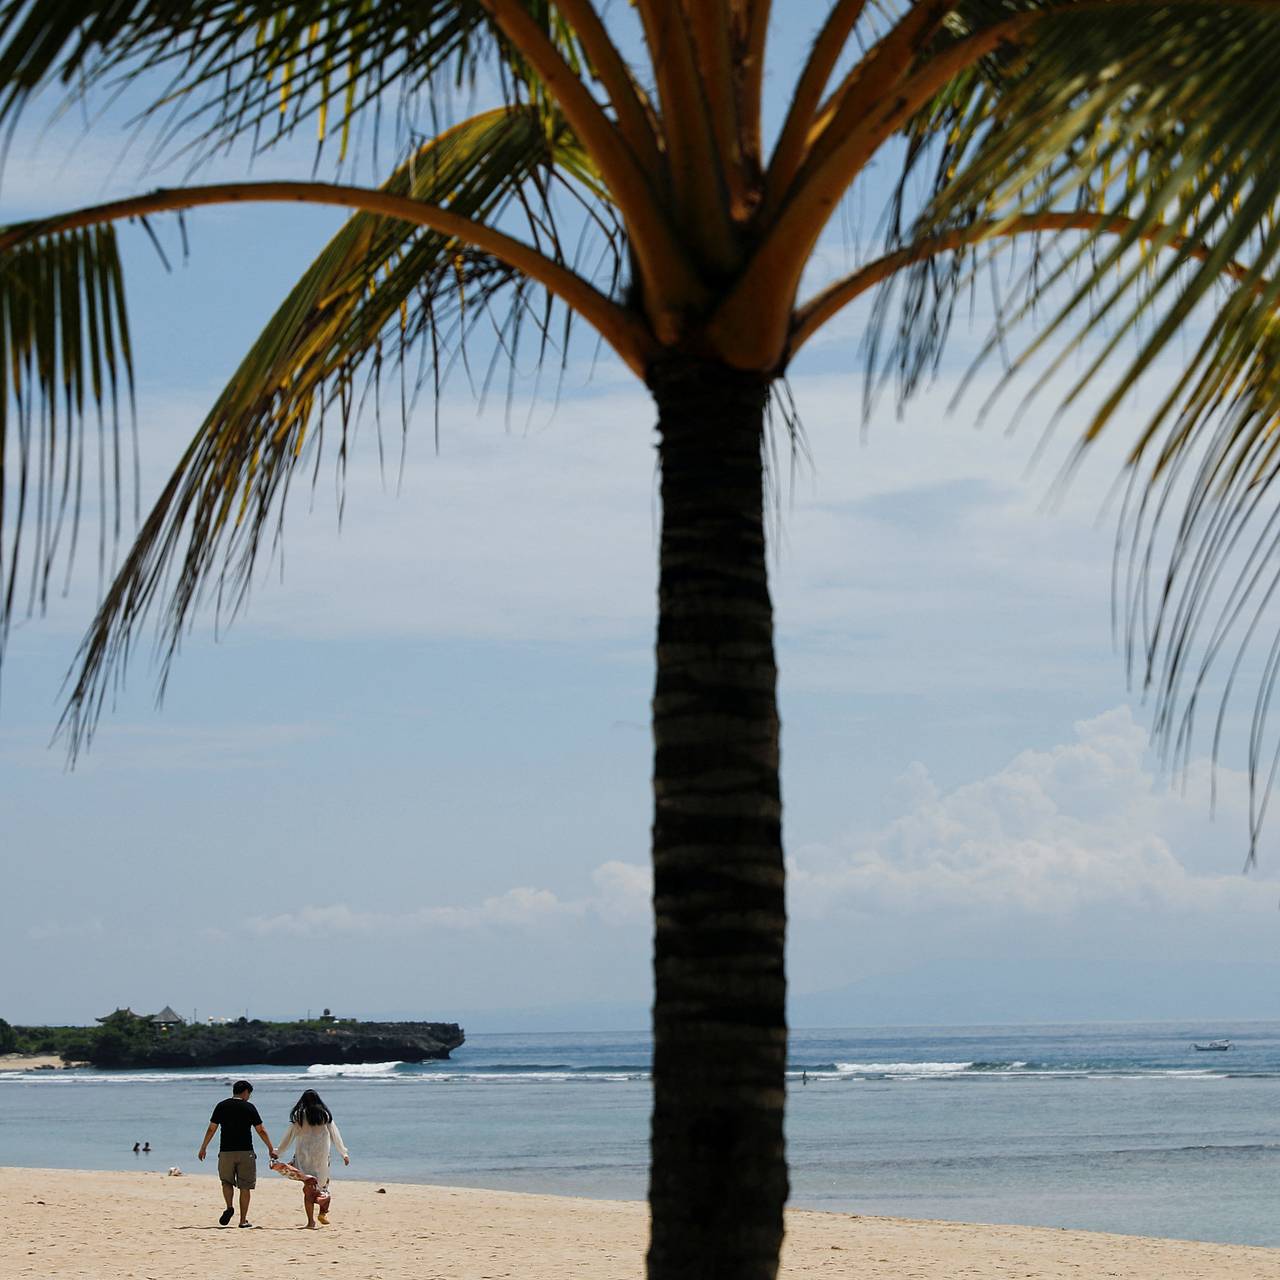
(1131, 143)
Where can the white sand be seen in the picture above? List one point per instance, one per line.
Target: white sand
(33, 1062)
(146, 1226)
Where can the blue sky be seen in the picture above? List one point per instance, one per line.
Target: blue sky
(413, 779)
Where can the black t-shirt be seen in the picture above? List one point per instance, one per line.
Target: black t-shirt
(238, 1119)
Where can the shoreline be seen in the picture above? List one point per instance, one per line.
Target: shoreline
(75, 1223)
(35, 1062)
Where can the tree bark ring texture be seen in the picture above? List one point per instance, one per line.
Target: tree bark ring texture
(719, 1179)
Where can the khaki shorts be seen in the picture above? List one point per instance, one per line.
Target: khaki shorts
(239, 1168)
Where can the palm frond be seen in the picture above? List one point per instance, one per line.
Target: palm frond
(379, 293)
(229, 68)
(1170, 123)
(64, 356)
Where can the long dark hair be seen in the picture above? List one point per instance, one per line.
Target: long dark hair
(309, 1109)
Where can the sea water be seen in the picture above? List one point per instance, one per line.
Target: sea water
(1105, 1127)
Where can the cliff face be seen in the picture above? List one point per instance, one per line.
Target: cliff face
(279, 1044)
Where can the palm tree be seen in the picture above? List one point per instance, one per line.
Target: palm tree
(1130, 144)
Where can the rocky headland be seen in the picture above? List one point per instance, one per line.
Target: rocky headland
(286, 1045)
(137, 1043)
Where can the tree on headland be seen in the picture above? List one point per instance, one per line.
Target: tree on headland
(1129, 146)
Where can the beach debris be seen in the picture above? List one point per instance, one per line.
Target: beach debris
(382, 1191)
(174, 1171)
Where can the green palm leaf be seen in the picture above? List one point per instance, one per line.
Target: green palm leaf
(64, 350)
(377, 293)
(1169, 130)
(226, 68)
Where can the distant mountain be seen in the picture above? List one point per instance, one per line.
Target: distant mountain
(973, 991)
(560, 1018)
(976, 992)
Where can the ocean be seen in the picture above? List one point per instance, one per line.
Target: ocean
(1107, 1127)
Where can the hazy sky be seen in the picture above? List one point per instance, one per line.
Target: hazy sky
(413, 779)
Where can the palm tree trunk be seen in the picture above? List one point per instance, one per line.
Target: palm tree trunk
(718, 1178)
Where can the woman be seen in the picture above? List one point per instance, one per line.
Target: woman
(312, 1129)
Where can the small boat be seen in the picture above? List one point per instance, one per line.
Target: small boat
(1214, 1046)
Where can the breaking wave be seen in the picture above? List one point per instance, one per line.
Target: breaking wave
(353, 1068)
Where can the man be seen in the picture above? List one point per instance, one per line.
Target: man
(237, 1164)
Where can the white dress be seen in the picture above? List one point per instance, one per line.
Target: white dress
(311, 1154)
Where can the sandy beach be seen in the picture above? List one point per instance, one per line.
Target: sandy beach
(147, 1226)
(34, 1062)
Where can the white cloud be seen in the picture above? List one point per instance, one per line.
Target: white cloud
(521, 907)
(623, 892)
(620, 895)
(64, 931)
(309, 921)
(1058, 834)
